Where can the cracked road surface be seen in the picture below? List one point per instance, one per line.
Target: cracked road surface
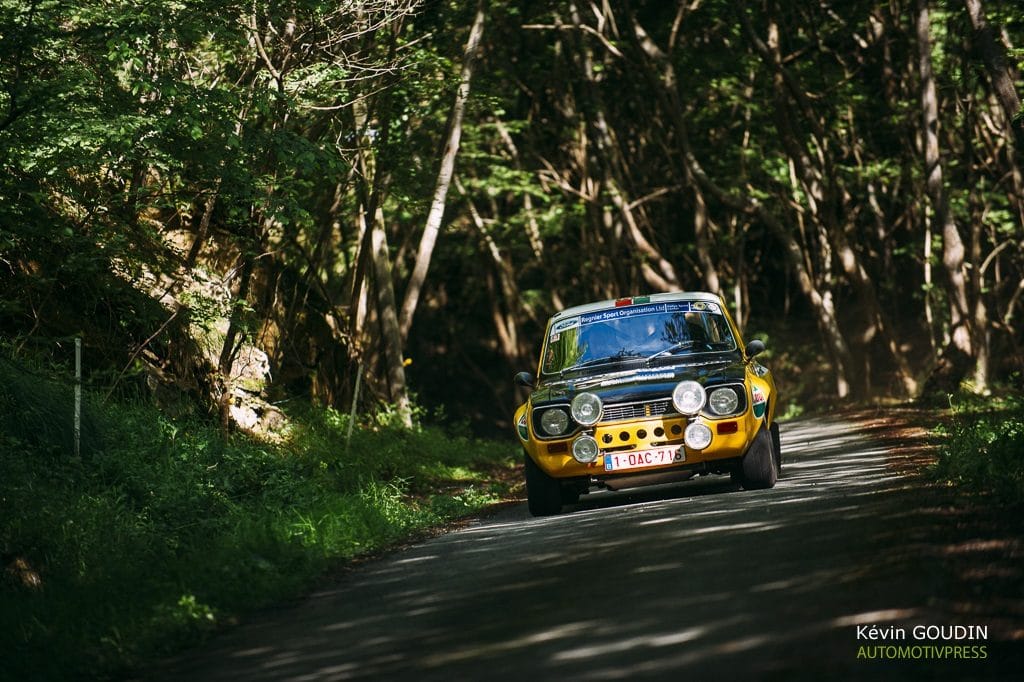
(693, 580)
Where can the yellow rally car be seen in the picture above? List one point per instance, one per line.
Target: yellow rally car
(645, 390)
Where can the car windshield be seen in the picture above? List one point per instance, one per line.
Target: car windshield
(635, 333)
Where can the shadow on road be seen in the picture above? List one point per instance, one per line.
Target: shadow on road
(695, 579)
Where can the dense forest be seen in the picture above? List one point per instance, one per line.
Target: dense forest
(234, 204)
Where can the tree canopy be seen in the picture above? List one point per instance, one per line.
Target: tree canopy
(187, 181)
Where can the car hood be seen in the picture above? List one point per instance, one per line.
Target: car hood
(637, 384)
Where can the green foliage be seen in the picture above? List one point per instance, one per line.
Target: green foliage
(167, 531)
(982, 447)
(37, 411)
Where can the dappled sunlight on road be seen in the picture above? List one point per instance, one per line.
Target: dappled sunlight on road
(694, 579)
(643, 641)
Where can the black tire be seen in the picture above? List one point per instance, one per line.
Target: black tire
(759, 470)
(776, 448)
(570, 494)
(543, 493)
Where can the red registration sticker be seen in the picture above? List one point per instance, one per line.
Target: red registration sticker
(618, 461)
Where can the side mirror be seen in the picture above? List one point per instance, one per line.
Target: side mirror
(753, 348)
(524, 379)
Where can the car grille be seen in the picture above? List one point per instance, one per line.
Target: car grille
(650, 408)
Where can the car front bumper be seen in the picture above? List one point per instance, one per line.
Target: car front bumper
(555, 456)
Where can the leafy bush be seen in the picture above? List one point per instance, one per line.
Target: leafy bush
(982, 450)
(167, 531)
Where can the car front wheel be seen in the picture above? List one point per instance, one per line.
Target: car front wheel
(777, 448)
(759, 466)
(543, 493)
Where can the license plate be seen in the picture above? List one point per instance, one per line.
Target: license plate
(639, 459)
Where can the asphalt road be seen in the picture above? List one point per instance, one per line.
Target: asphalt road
(695, 581)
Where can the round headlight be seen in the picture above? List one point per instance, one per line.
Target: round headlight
(688, 397)
(585, 449)
(586, 409)
(697, 436)
(554, 421)
(723, 401)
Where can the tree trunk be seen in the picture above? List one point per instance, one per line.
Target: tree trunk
(996, 63)
(507, 322)
(823, 190)
(202, 231)
(656, 270)
(444, 178)
(958, 357)
(703, 239)
(821, 301)
(379, 260)
(391, 336)
(1001, 77)
(229, 350)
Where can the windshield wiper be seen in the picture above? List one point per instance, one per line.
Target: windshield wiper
(619, 357)
(679, 345)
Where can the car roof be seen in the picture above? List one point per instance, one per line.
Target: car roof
(637, 300)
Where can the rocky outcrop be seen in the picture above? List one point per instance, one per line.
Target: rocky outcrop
(204, 302)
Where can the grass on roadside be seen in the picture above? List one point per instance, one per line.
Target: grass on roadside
(165, 532)
(982, 449)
